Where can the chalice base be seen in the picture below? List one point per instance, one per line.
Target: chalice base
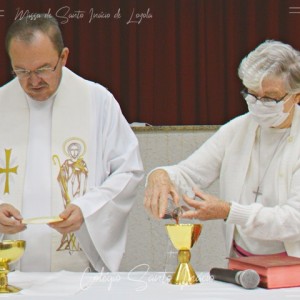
(184, 275)
(9, 289)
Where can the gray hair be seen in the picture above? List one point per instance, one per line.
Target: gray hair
(25, 28)
(271, 59)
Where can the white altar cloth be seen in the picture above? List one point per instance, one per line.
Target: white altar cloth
(132, 285)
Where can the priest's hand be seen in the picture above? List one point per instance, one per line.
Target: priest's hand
(208, 208)
(10, 219)
(159, 187)
(72, 220)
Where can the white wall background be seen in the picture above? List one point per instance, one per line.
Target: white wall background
(148, 245)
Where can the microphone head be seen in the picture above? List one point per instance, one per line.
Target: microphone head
(249, 279)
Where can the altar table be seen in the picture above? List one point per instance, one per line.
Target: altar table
(132, 285)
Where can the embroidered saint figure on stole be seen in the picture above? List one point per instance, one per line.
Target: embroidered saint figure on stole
(72, 179)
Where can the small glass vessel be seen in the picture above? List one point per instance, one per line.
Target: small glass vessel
(173, 211)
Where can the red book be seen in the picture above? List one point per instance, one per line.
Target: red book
(275, 271)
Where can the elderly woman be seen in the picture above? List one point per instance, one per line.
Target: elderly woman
(256, 156)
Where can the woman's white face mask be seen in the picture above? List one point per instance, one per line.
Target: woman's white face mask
(270, 114)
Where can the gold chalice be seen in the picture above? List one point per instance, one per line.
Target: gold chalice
(183, 237)
(10, 251)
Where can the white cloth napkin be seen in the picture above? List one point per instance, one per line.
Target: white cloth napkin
(61, 283)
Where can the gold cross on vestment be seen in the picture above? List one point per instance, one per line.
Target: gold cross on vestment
(7, 170)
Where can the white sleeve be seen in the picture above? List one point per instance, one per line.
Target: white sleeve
(202, 167)
(106, 205)
(281, 222)
(118, 153)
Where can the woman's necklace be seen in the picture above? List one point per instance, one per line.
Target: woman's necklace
(258, 192)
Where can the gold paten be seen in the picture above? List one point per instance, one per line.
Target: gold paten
(10, 251)
(42, 220)
(183, 237)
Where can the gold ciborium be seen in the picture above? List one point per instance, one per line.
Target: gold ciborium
(10, 251)
(183, 237)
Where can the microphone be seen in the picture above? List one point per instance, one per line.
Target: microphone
(248, 279)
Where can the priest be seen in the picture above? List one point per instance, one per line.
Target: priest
(69, 162)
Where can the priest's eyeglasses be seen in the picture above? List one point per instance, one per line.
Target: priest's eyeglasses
(267, 101)
(43, 72)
